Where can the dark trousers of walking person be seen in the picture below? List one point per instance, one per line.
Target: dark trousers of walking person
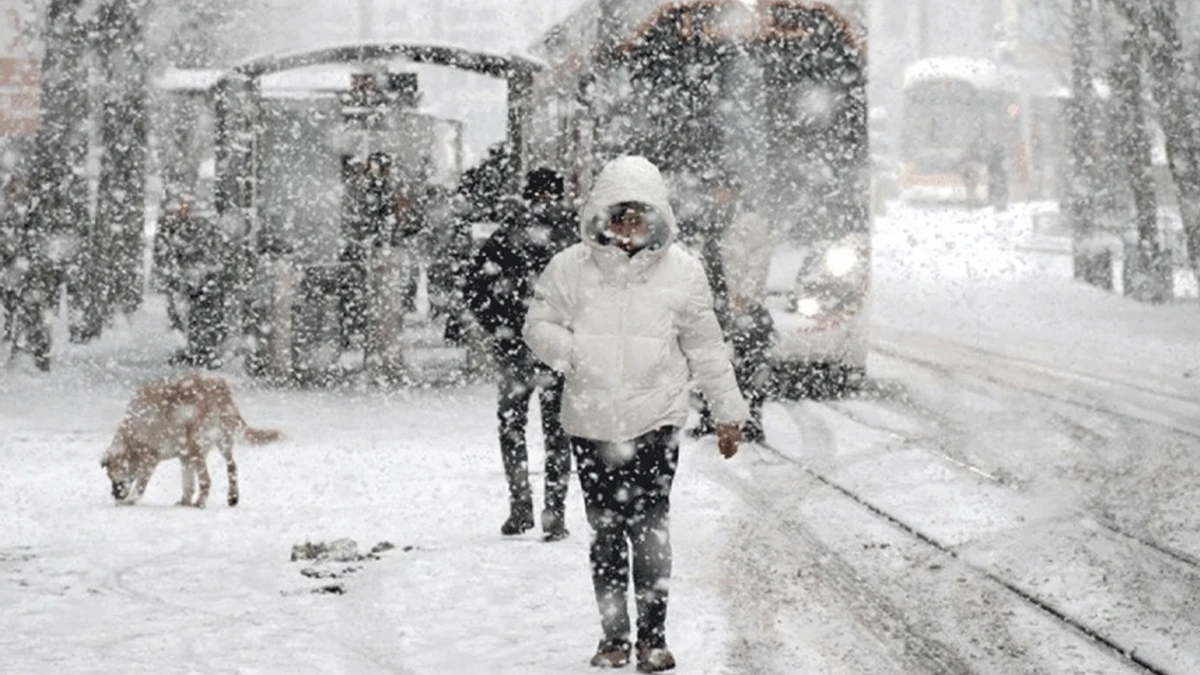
(517, 384)
(206, 326)
(627, 491)
(750, 335)
(751, 338)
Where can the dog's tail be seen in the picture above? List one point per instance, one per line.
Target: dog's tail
(260, 436)
(233, 418)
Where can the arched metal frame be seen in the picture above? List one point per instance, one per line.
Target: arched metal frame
(238, 93)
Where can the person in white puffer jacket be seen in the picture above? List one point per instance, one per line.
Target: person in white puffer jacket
(627, 317)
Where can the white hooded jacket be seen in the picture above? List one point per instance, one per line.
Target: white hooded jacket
(630, 333)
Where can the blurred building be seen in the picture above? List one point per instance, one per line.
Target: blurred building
(20, 97)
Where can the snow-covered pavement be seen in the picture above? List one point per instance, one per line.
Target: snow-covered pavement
(88, 587)
(1014, 493)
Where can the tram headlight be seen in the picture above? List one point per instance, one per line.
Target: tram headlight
(831, 278)
(842, 260)
(808, 307)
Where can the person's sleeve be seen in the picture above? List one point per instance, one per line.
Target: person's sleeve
(708, 356)
(480, 274)
(547, 328)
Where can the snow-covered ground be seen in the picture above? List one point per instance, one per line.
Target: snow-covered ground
(1038, 435)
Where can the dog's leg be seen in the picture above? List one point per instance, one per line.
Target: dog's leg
(189, 482)
(200, 466)
(231, 470)
(139, 486)
(195, 456)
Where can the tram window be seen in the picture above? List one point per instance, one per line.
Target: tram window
(943, 116)
(816, 106)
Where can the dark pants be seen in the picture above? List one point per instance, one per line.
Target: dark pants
(9, 308)
(750, 334)
(628, 502)
(352, 300)
(517, 384)
(207, 328)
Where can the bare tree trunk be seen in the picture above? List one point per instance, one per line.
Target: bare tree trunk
(1147, 273)
(1092, 263)
(1176, 105)
(61, 142)
(61, 199)
(122, 195)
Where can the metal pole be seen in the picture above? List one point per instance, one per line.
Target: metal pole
(1092, 263)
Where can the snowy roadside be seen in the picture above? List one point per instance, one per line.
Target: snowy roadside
(956, 276)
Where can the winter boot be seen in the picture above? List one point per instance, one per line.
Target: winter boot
(553, 527)
(520, 520)
(654, 659)
(611, 654)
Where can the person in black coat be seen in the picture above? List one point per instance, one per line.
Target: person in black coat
(192, 256)
(498, 291)
(735, 249)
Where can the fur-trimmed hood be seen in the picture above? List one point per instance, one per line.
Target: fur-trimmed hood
(628, 179)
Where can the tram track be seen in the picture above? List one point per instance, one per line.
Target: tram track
(1087, 435)
(945, 442)
(1093, 410)
(1128, 400)
(1181, 557)
(897, 645)
(813, 426)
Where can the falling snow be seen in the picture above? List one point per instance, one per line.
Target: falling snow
(946, 253)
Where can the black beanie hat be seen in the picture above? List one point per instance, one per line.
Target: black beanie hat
(543, 181)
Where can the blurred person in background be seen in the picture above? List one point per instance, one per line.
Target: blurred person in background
(499, 288)
(174, 226)
(736, 252)
(192, 255)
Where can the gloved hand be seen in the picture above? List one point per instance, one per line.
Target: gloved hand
(728, 438)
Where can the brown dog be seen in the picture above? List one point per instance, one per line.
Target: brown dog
(184, 418)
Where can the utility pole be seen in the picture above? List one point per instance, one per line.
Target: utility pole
(1092, 264)
(366, 20)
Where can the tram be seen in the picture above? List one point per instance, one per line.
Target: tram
(774, 94)
(978, 133)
